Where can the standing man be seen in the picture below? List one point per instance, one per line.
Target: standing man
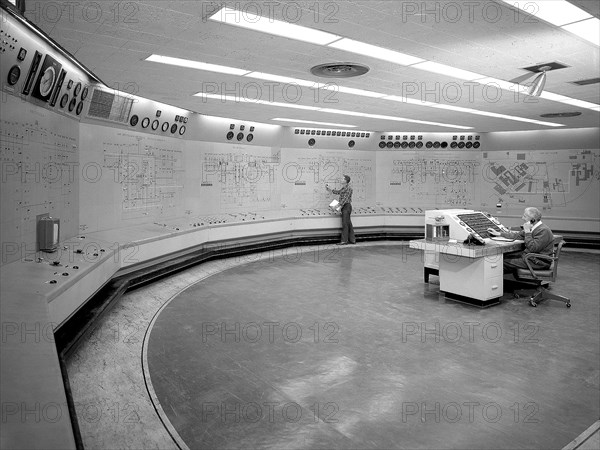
(538, 238)
(345, 194)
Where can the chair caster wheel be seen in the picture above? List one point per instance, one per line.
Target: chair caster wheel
(568, 305)
(532, 303)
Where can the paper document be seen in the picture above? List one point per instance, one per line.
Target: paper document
(335, 205)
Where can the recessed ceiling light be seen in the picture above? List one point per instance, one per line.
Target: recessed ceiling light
(374, 51)
(269, 25)
(557, 12)
(586, 29)
(196, 65)
(284, 80)
(443, 69)
(280, 119)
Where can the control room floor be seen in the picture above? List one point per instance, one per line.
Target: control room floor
(338, 347)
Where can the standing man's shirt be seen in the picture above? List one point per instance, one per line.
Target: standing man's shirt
(345, 194)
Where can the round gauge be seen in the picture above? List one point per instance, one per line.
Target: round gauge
(389, 144)
(70, 84)
(381, 144)
(165, 126)
(63, 100)
(411, 144)
(182, 130)
(13, 75)
(461, 145)
(155, 124)
(145, 122)
(419, 144)
(134, 120)
(230, 135)
(84, 93)
(397, 144)
(250, 137)
(47, 81)
(79, 108)
(77, 89)
(173, 128)
(469, 144)
(72, 104)
(240, 136)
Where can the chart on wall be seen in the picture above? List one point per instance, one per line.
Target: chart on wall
(39, 157)
(129, 177)
(566, 182)
(428, 179)
(231, 178)
(304, 173)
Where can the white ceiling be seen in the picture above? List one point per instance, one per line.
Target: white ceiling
(113, 39)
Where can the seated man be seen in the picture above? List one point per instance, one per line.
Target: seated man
(538, 239)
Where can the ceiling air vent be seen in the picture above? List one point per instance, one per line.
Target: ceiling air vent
(561, 114)
(339, 70)
(586, 82)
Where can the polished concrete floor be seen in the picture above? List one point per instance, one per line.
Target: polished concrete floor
(338, 347)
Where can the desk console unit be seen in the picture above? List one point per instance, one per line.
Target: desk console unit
(468, 273)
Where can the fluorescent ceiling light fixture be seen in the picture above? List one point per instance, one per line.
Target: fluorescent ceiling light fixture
(443, 69)
(502, 84)
(312, 121)
(284, 80)
(269, 25)
(400, 99)
(242, 99)
(236, 99)
(557, 12)
(497, 115)
(346, 90)
(394, 118)
(196, 65)
(570, 101)
(586, 29)
(582, 104)
(374, 51)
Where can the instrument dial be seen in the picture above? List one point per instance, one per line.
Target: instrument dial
(47, 81)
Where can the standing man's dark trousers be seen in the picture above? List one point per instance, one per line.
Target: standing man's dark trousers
(347, 228)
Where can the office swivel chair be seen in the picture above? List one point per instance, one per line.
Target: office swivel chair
(541, 278)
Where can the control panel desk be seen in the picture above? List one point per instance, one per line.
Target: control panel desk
(469, 273)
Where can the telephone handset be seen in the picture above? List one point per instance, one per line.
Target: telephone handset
(474, 239)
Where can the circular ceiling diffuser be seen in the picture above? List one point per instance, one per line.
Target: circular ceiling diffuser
(561, 114)
(339, 70)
